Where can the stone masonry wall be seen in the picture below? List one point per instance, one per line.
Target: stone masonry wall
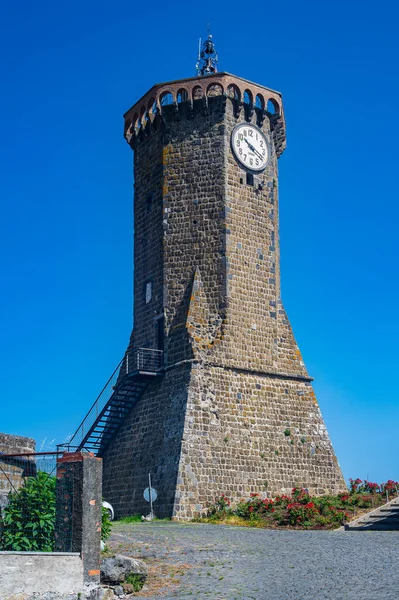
(12, 444)
(149, 441)
(251, 433)
(148, 241)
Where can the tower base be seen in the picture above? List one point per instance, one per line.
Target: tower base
(202, 430)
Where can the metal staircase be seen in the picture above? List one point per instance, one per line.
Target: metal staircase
(121, 392)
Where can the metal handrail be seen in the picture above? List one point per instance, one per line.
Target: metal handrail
(141, 359)
(95, 407)
(144, 359)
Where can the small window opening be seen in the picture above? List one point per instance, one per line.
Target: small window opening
(148, 292)
(160, 332)
(250, 179)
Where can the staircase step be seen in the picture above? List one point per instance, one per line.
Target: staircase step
(374, 527)
(125, 395)
(385, 515)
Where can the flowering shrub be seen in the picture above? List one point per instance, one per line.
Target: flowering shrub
(371, 488)
(300, 509)
(355, 485)
(301, 514)
(282, 501)
(390, 486)
(220, 506)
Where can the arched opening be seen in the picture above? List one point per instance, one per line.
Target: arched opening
(182, 96)
(166, 99)
(247, 97)
(152, 107)
(273, 107)
(144, 118)
(259, 102)
(128, 124)
(197, 92)
(214, 89)
(233, 92)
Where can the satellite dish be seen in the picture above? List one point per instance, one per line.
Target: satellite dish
(150, 494)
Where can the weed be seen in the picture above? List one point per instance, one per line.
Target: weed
(135, 580)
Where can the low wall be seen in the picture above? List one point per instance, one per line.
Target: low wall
(38, 572)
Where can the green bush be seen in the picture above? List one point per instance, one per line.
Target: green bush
(28, 520)
(106, 524)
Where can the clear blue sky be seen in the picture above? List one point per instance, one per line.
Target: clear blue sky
(70, 69)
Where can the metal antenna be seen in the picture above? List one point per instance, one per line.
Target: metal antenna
(207, 57)
(197, 65)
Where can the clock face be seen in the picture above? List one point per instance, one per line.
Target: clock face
(250, 147)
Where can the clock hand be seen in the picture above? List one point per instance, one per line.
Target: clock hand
(254, 150)
(250, 145)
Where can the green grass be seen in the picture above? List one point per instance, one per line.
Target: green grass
(130, 519)
(137, 519)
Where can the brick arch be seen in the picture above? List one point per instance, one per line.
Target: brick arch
(248, 97)
(182, 95)
(197, 92)
(214, 89)
(234, 92)
(273, 106)
(135, 121)
(166, 98)
(152, 106)
(128, 127)
(259, 101)
(144, 118)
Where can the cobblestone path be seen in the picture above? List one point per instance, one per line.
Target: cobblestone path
(219, 562)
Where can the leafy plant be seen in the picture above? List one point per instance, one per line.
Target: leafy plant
(220, 507)
(136, 581)
(28, 520)
(106, 524)
(390, 487)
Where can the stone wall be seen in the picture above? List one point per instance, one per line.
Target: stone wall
(11, 475)
(149, 441)
(247, 432)
(26, 573)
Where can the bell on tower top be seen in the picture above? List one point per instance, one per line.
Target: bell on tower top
(207, 57)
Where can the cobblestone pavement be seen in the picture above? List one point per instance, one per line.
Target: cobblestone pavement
(221, 562)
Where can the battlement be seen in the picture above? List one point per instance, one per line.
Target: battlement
(195, 92)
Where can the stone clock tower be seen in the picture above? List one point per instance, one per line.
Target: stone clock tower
(221, 401)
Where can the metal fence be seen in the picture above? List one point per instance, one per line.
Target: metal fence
(144, 359)
(29, 502)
